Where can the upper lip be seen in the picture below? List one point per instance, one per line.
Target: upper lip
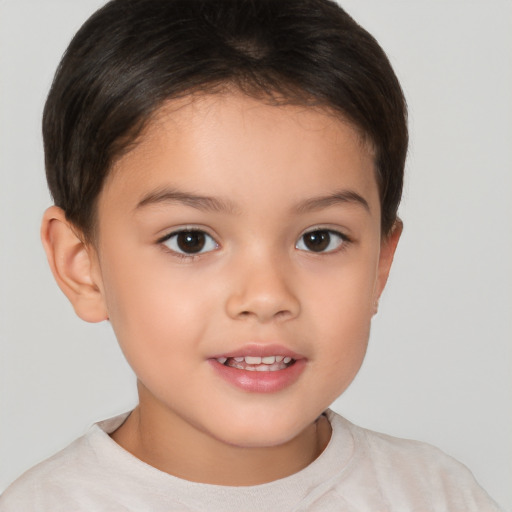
(260, 350)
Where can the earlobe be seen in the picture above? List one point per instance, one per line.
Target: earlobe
(72, 265)
(387, 253)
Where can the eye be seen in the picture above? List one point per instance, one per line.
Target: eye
(190, 242)
(321, 240)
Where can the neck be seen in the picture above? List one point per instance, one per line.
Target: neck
(167, 442)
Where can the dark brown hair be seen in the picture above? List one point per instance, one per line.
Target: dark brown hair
(133, 55)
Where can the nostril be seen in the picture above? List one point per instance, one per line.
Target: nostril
(263, 305)
(279, 315)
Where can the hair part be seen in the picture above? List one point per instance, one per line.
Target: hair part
(132, 56)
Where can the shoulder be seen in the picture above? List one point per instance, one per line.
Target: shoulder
(59, 482)
(402, 455)
(32, 489)
(414, 473)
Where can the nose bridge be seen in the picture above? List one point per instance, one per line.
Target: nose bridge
(262, 286)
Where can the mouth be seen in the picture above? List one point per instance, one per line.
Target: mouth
(260, 368)
(258, 363)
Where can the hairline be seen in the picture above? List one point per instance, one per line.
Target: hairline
(274, 97)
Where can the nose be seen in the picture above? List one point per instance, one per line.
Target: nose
(262, 289)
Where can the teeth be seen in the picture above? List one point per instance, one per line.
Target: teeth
(264, 360)
(256, 363)
(252, 360)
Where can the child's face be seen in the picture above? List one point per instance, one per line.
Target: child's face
(283, 257)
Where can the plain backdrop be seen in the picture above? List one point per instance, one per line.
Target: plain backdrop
(439, 364)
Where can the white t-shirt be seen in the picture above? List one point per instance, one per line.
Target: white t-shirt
(359, 470)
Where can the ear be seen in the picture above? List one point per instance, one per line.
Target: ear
(387, 252)
(74, 265)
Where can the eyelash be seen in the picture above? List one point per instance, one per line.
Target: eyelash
(343, 241)
(184, 255)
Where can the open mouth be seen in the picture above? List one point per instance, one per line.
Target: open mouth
(260, 369)
(257, 364)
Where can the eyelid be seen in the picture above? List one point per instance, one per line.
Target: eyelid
(345, 239)
(183, 229)
(326, 227)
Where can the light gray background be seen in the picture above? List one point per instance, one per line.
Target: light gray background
(439, 363)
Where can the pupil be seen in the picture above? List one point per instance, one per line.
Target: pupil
(317, 240)
(191, 241)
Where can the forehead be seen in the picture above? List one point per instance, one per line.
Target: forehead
(230, 143)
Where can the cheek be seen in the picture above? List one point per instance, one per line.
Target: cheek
(131, 295)
(343, 296)
(151, 309)
(341, 311)
(345, 341)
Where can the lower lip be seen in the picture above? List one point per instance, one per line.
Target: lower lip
(260, 382)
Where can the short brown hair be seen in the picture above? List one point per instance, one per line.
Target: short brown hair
(133, 55)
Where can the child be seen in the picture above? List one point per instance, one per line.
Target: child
(226, 177)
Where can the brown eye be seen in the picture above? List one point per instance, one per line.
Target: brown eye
(190, 242)
(320, 240)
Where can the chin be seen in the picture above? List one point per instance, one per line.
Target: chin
(260, 434)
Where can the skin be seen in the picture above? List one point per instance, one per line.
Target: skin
(255, 283)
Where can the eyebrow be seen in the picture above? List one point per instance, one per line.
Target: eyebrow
(338, 197)
(205, 203)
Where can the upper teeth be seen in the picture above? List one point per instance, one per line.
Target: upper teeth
(257, 359)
